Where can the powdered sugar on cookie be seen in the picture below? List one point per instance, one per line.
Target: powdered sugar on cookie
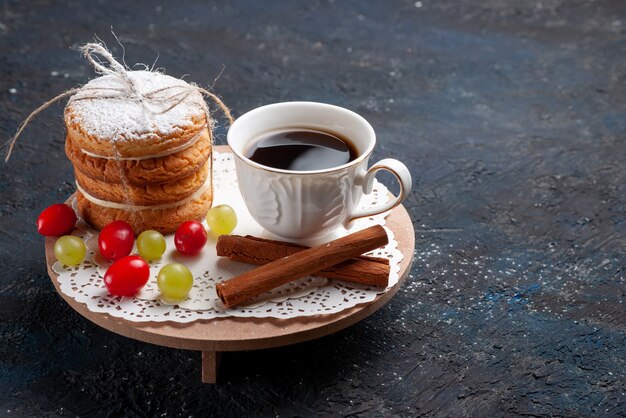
(106, 107)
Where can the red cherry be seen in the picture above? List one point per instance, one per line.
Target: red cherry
(190, 237)
(126, 276)
(116, 240)
(56, 220)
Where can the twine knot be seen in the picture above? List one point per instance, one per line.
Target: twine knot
(178, 93)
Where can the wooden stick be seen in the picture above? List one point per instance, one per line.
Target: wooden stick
(210, 366)
(372, 271)
(277, 273)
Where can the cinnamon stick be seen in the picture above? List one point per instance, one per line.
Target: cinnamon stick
(282, 271)
(372, 271)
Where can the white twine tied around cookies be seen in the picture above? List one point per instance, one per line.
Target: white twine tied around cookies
(168, 97)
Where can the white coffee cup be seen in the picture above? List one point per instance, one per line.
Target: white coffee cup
(309, 205)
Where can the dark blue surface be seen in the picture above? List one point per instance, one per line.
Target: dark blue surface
(512, 118)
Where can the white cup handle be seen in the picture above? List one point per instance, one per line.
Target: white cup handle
(366, 180)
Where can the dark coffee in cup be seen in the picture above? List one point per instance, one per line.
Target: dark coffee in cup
(301, 150)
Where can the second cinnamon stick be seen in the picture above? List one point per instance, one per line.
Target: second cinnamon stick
(367, 270)
(269, 276)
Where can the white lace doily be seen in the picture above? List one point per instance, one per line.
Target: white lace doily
(305, 297)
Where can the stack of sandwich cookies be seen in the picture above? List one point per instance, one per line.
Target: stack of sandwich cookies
(144, 159)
